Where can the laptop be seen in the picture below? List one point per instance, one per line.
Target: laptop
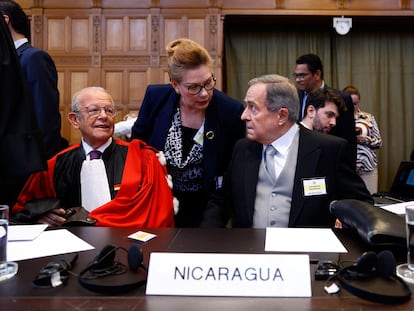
(402, 188)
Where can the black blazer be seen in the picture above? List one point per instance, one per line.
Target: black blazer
(222, 119)
(319, 155)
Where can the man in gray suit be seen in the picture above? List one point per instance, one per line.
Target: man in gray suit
(293, 185)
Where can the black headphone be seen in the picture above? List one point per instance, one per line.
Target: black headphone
(373, 277)
(106, 274)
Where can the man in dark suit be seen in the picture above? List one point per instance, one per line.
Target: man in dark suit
(40, 75)
(291, 187)
(309, 76)
(21, 145)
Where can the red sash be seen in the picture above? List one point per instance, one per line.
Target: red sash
(144, 198)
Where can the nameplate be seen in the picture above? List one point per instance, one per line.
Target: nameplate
(205, 274)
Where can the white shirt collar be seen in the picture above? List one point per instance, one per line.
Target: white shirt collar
(20, 42)
(305, 125)
(282, 144)
(102, 148)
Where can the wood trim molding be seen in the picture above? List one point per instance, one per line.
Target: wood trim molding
(405, 4)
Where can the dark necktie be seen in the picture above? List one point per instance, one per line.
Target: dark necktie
(305, 96)
(270, 152)
(95, 154)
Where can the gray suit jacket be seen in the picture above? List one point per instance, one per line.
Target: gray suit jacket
(319, 155)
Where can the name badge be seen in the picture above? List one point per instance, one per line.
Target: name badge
(201, 274)
(314, 186)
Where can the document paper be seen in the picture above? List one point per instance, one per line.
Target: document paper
(48, 243)
(300, 240)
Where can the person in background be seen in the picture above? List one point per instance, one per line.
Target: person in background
(195, 125)
(41, 77)
(118, 184)
(323, 107)
(309, 75)
(21, 144)
(282, 174)
(369, 140)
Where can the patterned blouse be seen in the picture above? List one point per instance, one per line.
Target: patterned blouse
(366, 156)
(184, 157)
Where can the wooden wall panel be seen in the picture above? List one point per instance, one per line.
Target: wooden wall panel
(172, 30)
(187, 3)
(64, 107)
(79, 32)
(114, 34)
(78, 80)
(138, 35)
(56, 39)
(249, 4)
(66, 4)
(118, 4)
(197, 30)
(137, 84)
(114, 82)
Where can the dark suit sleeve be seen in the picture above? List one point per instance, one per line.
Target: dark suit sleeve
(217, 212)
(219, 207)
(234, 200)
(154, 115)
(142, 126)
(41, 77)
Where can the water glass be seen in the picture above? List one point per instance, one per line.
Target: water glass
(406, 270)
(409, 221)
(4, 224)
(7, 269)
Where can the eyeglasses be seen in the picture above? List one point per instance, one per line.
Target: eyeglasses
(94, 111)
(301, 76)
(195, 89)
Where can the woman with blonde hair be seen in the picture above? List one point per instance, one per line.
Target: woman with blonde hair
(195, 125)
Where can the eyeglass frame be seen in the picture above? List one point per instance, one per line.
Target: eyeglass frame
(96, 111)
(301, 76)
(201, 86)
